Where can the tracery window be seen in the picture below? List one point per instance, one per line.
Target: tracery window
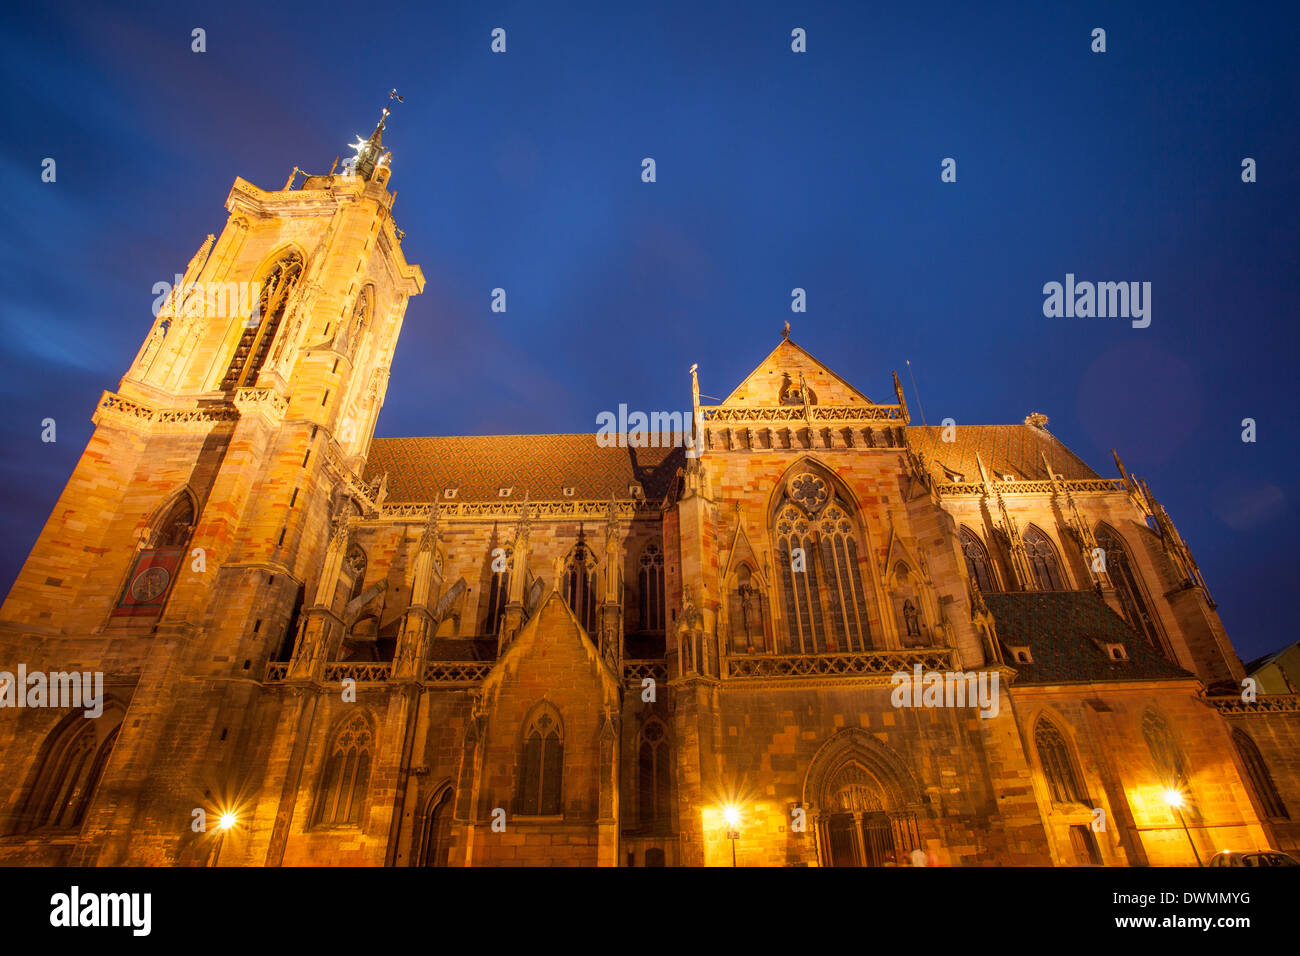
(68, 772)
(1127, 587)
(1261, 780)
(255, 341)
(1042, 560)
(580, 585)
(816, 545)
(341, 795)
(541, 777)
(653, 776)
(977, 561)
(1054, 754)
(651, 582)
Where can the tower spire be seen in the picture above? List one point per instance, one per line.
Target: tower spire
(370, 152)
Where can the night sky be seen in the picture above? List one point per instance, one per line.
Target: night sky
(775, 170)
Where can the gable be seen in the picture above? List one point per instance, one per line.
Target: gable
(782, 367)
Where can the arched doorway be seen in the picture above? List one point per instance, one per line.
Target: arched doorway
(863, 801)
(858, 827)
(436, 839)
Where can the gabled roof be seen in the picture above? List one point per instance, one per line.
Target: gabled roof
(543, 465)
(1015, 450)
(1064, 630)
(763, 385)
(1259, 662)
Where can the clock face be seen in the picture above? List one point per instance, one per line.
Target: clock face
(150, 583)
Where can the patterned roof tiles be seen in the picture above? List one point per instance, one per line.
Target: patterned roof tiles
(1015, 450)
(419, 469)
(1066, 631)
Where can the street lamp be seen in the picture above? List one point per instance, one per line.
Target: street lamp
(1175, 801)
(732, 815)
(225, 822)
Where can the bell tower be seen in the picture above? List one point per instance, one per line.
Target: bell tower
(203, 503)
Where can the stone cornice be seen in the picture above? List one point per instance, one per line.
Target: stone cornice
(507, 510)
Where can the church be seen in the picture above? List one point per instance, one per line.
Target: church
(319, 647)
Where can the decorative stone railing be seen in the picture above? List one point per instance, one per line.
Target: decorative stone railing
(114, 406)
(361, 673)
(883, 664)
(456, 672)
(1266, 704)
(634, 672)
(276, 672)
(1074, 485)
(265, 399)
(435, 672)
(821, 414)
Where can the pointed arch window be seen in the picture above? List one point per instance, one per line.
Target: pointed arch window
(68, 772)
(541, 777)
(1058, 767)
(158, 560)
(175, 529)
(259, 331)
(350, 332)
(437, 830)
(1261, 781)
(650, 579)
(653, 778)
(580, 585)
(1127, 586)
(341, 796)
(498, 588)
(977, 561)
(1043, 561)
(817, 547)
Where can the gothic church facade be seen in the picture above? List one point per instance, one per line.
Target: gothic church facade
(540, 650)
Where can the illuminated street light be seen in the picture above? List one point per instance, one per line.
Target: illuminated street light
(226, 821)
(731, 814)
(1175, 800)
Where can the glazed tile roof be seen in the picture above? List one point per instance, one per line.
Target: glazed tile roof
(1063, 629)
(543, 465)
(1005, 449)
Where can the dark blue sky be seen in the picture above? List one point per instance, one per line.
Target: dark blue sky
(775, 170)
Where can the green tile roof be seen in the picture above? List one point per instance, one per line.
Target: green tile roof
(1066, 633)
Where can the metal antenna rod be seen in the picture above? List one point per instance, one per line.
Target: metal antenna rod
(915, 392)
